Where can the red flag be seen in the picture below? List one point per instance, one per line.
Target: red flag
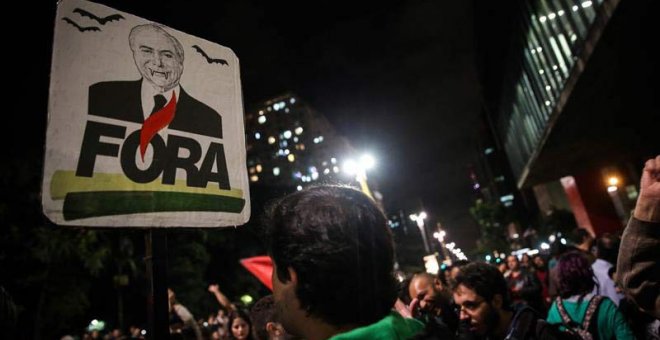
(261, 267)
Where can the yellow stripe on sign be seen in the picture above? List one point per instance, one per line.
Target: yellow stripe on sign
(64, 182)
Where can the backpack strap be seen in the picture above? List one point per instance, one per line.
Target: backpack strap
(566, 319)
(591, 310)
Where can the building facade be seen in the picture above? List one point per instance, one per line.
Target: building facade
(569, 96)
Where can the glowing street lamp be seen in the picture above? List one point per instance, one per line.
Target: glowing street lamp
(359, 170)
(419, 218)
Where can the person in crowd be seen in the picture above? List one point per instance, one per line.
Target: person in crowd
(638, 270)
(240, 325)
(541, 272)
(455, 269)
(333, 259)
(576, 284)
(526, 263)
(607, 248)
(264, 324)
(583, 241)
(525, 288)
(181, 320)
(431, 303)
(482, 298)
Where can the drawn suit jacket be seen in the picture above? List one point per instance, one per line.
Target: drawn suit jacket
(122, 100)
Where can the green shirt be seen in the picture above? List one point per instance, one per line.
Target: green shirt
(393, 326)
(610, 322)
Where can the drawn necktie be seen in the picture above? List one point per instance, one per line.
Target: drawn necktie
(160, 117)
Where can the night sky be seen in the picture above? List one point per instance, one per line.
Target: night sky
(398, 79)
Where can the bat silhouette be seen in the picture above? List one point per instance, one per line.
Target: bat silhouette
(80, 28)
(101, 21)
(209, 59)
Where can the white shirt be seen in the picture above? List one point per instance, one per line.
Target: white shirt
(605, 284)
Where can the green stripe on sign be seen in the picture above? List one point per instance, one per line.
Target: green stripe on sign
(79, 205)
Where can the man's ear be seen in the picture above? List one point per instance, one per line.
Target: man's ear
(293, 275)
(274, 329)
(497, 301)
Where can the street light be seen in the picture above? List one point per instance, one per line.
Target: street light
(419, 218)
(359, 170)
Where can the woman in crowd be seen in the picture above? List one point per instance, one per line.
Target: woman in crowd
(576, 285)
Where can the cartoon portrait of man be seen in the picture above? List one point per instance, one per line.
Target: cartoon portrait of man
(156, 100)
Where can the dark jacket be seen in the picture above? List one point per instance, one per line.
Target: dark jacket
(122, 100)
(638, 269)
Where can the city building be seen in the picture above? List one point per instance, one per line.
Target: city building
(569, 95)
(290, 145)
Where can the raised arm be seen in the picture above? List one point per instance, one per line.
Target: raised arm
(638, 271)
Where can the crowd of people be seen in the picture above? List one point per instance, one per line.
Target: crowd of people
(333, 259)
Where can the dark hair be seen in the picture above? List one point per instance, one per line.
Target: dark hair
(578, 235)
(575, 274)
(261, 313)
(486, 280)
(337, 241)
(236, 314)
(607, 247)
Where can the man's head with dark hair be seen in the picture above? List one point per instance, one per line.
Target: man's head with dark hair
(581, 238)
(333, 260)
(575, 274)
(607, 248)
(482, 295)
(264, 324)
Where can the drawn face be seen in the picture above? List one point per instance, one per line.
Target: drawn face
(157, 60)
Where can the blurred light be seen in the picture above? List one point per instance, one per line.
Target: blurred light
(516, 235)
(261, 119)
(541, 71)
(259, 168)
(335, 169)
(545, 246)
(295, 139)
(350, 167)
(271, 140)
(299, 188)
(298, 130)
(552, 238)
(333, 160)
(552, 16)
(613, 180)
(542, 19)
(560, 12)
(488, 258)
(315, 175)
(291, 158)
(292, 100)
(143, 332)
(287, 134)
(257, 135)
(254, 178)
(533, 252)
(575, 8)
(563, 241)
(586, 4)
(206, 324)
(261, 112)
(502, 255)
(246, 299)
(548, 88)
(326, 171)
(431, 264)
(367, 161)
(276, 171)
(612, 188)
